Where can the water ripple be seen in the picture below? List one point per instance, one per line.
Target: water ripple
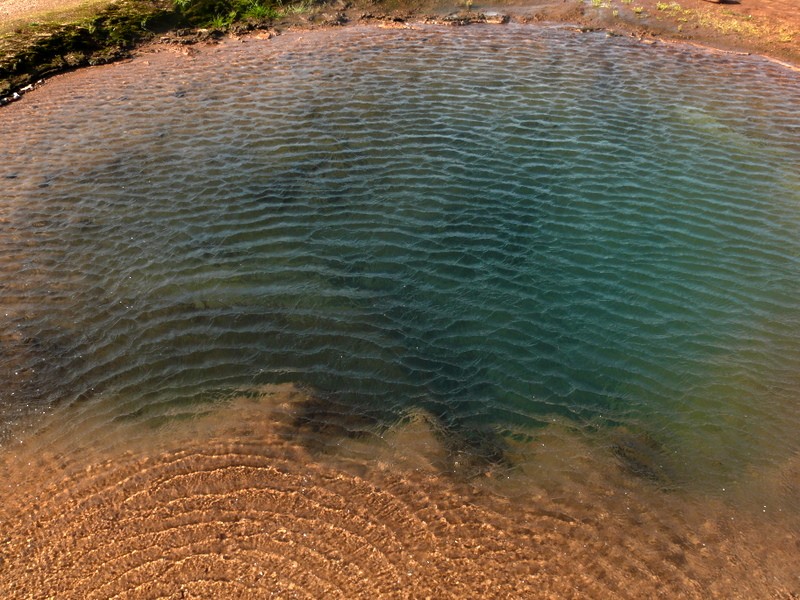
(496, 237)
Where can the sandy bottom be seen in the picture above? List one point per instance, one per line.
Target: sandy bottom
(243, 503)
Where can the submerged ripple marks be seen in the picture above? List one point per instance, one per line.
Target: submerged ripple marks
(499, 227)
(230, 506)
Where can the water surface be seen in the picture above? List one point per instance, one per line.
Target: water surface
(501, 227)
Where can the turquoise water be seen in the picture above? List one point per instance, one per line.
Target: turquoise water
(502, 226)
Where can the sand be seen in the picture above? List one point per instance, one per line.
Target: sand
(244, 503)
(767, 27)
(17, 9)
(14, 13)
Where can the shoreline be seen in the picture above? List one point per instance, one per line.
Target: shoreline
(31, 55)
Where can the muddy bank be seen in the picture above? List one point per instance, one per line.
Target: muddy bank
(38, 50)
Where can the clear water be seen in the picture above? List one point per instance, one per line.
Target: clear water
(502, 226)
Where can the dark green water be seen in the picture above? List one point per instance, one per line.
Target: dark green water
(503, 226)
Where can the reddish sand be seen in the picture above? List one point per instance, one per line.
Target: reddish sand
(242, 503)
(769, 27)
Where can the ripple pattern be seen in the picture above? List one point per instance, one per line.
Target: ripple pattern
(232, 506)
(498, 226)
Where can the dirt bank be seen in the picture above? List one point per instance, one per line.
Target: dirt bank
(768, 27)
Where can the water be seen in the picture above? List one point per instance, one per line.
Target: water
(505, 228)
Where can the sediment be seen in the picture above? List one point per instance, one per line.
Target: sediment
(237, 504)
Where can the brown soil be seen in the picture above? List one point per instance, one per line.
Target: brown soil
(768, 27)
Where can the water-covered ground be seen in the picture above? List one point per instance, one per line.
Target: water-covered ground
(574, 258)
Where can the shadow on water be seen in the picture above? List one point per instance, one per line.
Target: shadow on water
(404, 346)
(311, 282)
(498, 242)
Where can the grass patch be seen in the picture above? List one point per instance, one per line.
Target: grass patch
(671, 8)
(305, 6)
(730, 23)
(221, 14)
(259, 12)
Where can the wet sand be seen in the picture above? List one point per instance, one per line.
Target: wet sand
(244, 503)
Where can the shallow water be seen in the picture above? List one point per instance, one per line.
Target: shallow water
(505, 228)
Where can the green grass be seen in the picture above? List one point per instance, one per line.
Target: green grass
(221, 14)
(260, 12)
(671, 8)
(300, 7)
(222, 21)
